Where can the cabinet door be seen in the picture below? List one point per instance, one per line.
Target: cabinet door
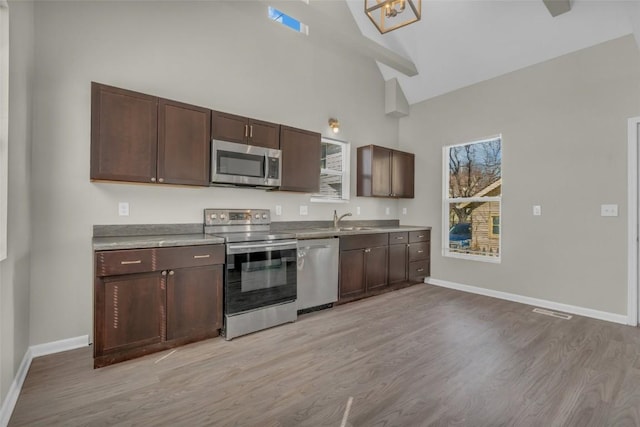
(194, 302)
(300, 160)
(381, 172)
(129, 312)
(264, 134)
(402, 174)
(124, 134)
(229, 127)
(398, 263)
(376, 267)
(352, 280)
(184, 143)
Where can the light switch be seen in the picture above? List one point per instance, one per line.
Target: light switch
(537, 210)
(404, 211)
(278, 210)
(123, 208)
(357, 210)
(304, 210)
(608, 210)
(387, 211)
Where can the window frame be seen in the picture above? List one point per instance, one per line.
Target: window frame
(346, 174)
(447, 201)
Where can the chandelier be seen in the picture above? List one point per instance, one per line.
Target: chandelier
(388, 15)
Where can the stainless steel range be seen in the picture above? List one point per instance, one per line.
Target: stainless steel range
(260, 275)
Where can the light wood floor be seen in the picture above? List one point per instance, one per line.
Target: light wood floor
(416, 357)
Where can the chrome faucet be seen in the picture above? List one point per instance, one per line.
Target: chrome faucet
(336, 219)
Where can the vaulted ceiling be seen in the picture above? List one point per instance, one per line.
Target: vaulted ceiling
(460, 42)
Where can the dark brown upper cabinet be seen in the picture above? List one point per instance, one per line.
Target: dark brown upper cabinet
(142, 138)
(243, 130)
(300, 160)
(383, 172)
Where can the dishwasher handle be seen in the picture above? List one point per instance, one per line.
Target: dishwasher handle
(307, 248)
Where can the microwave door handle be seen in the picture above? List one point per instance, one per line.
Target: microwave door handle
(266, 167)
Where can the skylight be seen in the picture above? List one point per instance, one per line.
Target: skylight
(287, 21)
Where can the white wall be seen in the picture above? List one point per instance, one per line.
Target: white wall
(14, 271)
(222, 55)
(564, 127)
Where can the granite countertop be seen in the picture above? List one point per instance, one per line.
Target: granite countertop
(318, 233)
(139, 242)
(103, 239)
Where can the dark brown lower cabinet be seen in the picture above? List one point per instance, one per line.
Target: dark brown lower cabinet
(375, 263)
(192, 301)
(363, 265)
(148, 300)
(132, 312)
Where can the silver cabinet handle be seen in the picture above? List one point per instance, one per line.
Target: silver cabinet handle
(420, 270)
(201, 256)
(138, 261)
(246, 131)
(399, 237)
(420, 251)
(367, 250)
(171, 273)
(153, 179)
(164, 273)
(421, 236)
(251, 131)
(160, 179)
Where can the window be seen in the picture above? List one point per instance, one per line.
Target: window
(287, 21)
(4, 123)
(472, 199)
(334, 171)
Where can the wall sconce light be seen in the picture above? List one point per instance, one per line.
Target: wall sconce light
(388, 15)
(334, 124)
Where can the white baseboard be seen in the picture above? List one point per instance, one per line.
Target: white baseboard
(580, 311)
(32, 352)
(58, 346)
(14, 391)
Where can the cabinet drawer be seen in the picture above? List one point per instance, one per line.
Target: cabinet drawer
(362, 241)
(418, 251)
(400, 237)
(112, 263)
(419, 236)
(418, 270)
(189, 256)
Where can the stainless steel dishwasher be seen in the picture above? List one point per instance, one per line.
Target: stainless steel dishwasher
(317, 272)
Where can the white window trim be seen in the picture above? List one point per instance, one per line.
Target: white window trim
(446, 201)
(4, 124)
(346, 174)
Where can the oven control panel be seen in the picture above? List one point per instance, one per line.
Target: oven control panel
(237, 217)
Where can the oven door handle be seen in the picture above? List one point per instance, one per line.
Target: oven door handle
(261, 247)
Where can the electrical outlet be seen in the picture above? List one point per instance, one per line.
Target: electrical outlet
(537, 210)
(608, 210)
(278, 210)
(404, 211)
(357, 210)
(304, 210)
(123, 208)
(387, 211)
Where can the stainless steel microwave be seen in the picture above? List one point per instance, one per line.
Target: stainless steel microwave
(242, 164)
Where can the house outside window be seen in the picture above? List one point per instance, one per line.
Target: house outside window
(334, 171)
(473, 199)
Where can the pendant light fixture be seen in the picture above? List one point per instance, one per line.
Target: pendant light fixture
(389, 15)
